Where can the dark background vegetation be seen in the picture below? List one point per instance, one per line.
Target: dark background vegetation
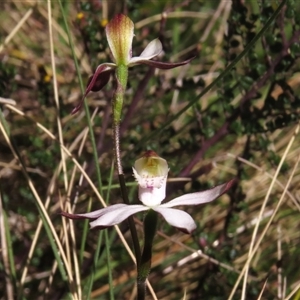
(240, 128)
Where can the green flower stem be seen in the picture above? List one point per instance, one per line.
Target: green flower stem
(150, 224)
(121, 77)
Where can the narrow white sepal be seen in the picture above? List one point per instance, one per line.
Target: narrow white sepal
(98, 213)
(177, 218)
(199, 197)
(115, 214)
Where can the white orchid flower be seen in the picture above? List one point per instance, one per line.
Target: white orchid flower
(151, 173)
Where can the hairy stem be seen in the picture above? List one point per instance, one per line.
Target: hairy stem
(121, 77)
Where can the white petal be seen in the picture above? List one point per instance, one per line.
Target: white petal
(115, 214)
(152, 196)
(153, 49)
(200, 197)
(93, 214)
(177, 218)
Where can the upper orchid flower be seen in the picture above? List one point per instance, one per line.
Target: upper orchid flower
(151, 173)
(119, 33)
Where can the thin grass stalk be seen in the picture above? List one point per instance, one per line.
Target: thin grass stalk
(95, 264)
(64, 233)
(7, 251)
(14, 31)
(75, 258)
(84, 233)
(111, 291)
(55, 89)
(9, 264)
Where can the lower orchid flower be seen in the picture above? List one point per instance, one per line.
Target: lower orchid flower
(151, 173)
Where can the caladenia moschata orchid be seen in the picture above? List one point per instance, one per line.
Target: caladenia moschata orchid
(151, 173)
(119, 33)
